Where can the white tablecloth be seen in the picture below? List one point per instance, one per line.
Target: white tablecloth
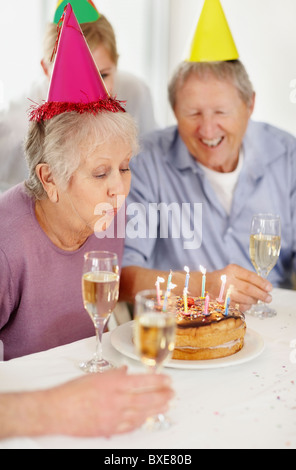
(252, 405)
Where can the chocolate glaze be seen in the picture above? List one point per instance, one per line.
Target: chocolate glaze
(196, 318)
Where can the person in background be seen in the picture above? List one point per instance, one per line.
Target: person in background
(221, 160)
(125, 86)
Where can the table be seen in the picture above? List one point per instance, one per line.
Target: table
(252, 405)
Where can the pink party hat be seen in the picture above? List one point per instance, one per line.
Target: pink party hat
(76, 83)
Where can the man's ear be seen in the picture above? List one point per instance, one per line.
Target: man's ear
(45, 176)
(252, 106)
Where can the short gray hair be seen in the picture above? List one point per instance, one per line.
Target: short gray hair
(233, 71)
(59, 143)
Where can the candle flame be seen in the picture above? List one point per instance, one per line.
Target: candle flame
(229, 292)
(203, 270)
(223, 278)
(186, 269)
(160, 279)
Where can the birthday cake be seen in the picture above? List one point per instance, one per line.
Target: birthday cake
(199, 336)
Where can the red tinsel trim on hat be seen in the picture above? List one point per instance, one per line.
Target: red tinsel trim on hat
(50, 109)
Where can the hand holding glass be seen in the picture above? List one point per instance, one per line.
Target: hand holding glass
(100, 289)
(265, 246)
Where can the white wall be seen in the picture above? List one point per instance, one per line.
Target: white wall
(20, 47)
(152, 37)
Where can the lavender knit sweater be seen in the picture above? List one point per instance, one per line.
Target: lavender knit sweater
(40, 285)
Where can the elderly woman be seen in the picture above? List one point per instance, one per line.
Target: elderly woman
(76, 163)
(78, 149)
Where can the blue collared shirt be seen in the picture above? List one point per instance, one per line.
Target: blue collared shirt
(176, 218)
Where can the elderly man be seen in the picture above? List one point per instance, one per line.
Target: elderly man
(197, 185)
(233, 167)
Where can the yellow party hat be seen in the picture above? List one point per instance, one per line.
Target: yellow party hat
(213, 41)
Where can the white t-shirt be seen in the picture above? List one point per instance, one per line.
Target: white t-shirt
(224, 184)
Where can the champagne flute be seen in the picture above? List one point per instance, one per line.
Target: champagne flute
(100, 290)
(265, 247)
(154, 335)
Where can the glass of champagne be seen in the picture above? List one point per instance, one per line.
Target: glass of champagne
(265, 247)
(100, 290)
(154, 335)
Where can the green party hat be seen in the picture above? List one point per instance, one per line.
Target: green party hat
(85, 10)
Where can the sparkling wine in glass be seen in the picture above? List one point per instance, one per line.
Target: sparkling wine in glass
(100, 290)
(265, 247)
(154, 336)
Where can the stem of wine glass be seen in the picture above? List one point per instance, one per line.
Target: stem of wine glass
(263, 273)
(99, 326)
(160, 419)
(154, 369)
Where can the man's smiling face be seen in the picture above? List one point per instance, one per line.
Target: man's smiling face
(212, 120)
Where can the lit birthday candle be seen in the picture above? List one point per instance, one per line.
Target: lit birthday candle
(185, 298)
(168, 291)
(228, 295)
(227, 307)
(187, 270)
(227, 301)
(167, 295)
(157, 285)
(170, 279)
(203, 289)
(207, 303)
(223, 279)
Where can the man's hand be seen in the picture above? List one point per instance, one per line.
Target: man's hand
(247, 289)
